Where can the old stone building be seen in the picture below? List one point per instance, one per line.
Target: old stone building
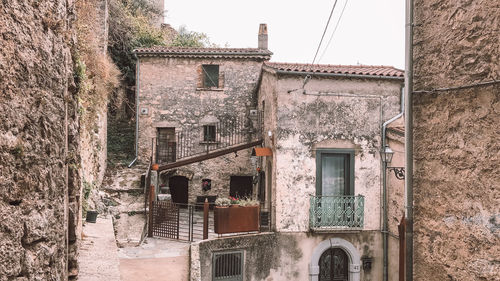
(323, 124)
(456, 140)
(320, 182)
(194, 101)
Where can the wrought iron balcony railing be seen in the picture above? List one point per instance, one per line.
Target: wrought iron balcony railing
(336, 212)
(199, 139)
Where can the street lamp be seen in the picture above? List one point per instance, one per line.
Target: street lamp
(387, 154)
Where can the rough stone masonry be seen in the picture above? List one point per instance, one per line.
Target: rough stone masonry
(456, 141)
(38, 139)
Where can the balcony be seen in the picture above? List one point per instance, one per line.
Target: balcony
(174, 144)
(331, 213)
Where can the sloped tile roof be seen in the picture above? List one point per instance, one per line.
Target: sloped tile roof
(370, 70)
(247, 53)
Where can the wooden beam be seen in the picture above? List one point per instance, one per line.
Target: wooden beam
(207, 156)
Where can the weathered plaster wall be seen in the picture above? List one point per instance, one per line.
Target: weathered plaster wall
(268, 105)
(169, 89)
(329, 117)
(395, 187)
(38, 140)
(456, 176)
(395, 195)
(282, 256)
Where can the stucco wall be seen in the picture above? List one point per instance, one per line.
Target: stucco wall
(456, 175)
(169, 89)
(329, 117)
(268, 104)
(283, 256)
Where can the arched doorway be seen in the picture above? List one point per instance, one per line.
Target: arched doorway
(179, 189)
(340, 254)
(333, 265)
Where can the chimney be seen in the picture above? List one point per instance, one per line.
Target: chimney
(263, 36)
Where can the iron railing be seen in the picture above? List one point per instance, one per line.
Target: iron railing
(198, 139)
(228, 266)
(179, 221)
(336, 212)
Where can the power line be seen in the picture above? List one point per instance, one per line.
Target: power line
(331, 37)
(326, 27)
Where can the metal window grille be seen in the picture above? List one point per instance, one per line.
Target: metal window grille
(210, 76)
(228, 266)
(166, 145)
(209, 133)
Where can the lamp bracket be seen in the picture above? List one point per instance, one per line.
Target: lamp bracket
(399, 172)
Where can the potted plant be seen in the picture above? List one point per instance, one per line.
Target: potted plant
(222, 202)
(231, 220)
(235, 201)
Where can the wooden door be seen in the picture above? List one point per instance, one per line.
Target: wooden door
(179, 189)
(334, 265)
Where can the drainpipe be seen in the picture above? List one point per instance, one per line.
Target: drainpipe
(136, 112)
(409, 138)
(385, 228)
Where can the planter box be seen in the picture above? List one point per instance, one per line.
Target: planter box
(236, 219)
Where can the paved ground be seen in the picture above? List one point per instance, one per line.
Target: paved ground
(98, 258)
(155, 259)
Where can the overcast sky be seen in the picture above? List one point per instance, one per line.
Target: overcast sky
(370, 31)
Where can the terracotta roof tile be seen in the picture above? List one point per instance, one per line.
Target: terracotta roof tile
(205, 52)
(373, 70)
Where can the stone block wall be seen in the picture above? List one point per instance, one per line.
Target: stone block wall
(456, 175)
(38, 139)
(170, 92)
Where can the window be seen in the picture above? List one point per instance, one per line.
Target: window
(210, 75)
(334, 172)
(228, 266)
(209, 133)
(165, 145)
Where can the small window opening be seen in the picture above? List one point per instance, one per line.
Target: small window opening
(228, 266)
(209, 133)
(210, 76)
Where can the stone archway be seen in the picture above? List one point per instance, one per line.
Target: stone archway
(352, 253)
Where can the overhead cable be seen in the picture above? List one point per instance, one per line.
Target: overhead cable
(331, 37)
(326, 27)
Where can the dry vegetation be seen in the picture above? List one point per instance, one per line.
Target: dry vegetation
(95, 74)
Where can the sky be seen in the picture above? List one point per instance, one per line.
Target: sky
(370, 32)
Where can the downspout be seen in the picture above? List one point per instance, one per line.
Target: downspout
(136, 111)
(409, 138)
(385, 228)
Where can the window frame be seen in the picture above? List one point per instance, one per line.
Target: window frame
(206, 133)
(319, 173)
(206, 77)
